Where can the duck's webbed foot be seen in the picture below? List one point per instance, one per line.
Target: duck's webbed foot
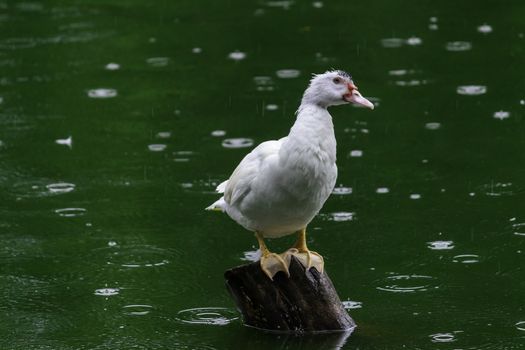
(307, 257)
(271, 263)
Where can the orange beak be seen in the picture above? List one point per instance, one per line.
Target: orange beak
(355, 97)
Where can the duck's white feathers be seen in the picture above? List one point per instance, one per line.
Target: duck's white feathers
(281, 185)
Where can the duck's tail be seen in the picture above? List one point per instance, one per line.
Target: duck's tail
(219, 205)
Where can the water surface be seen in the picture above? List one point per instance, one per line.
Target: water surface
(118, 120)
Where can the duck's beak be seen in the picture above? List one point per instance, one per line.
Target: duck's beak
(354, 96)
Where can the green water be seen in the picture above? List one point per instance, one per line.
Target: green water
(104, 240)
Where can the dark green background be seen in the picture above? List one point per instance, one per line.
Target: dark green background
(140, 236)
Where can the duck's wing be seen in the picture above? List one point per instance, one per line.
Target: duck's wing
(239, 183)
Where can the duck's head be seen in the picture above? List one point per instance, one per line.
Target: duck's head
(334, 88)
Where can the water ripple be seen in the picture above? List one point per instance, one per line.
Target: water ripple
(519, 229)
(138, 256)
(498, 189)
(137, 310)
(215, 316)
(442, 338)
(60, 187)
(466, 258)
(407, 284)
(71, 212)
(520, 326)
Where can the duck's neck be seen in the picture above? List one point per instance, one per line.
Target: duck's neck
(314, 131)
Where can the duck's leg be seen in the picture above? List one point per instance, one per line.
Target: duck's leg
(306, 256)
(271, 263)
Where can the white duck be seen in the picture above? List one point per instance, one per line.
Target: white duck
(281, 185)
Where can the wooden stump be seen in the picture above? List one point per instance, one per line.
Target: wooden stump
(305, 302)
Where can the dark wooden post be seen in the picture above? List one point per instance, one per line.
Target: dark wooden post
(305, 302)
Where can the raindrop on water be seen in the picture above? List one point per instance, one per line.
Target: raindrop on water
(218, 133)
(501, 115)
(350, 304)
(112, 66)
(441, 245)
(414, 41)
(157, 147)
(137, 310)
(237, 143)
(442, 338)
(356, 153)
(164, 134)
(288, 73)
(65, 142)
(158, 61)
(237, 55)
(471, 89)
(392, 42)
(485, 28)
(107, 292)
(341, 216)
(432, 126)
(456, 46)
(342, 190)
(102, 93)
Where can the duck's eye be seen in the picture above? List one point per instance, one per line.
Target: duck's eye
(337, 80)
